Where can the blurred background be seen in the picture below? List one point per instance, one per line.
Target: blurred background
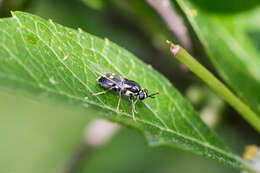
(40, 136)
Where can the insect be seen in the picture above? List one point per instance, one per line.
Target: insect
(111, 81)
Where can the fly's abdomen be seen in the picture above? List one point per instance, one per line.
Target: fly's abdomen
(106, 83)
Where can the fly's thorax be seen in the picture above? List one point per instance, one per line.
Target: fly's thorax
(130, 88)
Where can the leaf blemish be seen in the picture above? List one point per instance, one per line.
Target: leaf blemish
(50, 20)
(106, 40)
(52, 81)
(31, 39)
(80, 30)
(194, 13)
(65, 58)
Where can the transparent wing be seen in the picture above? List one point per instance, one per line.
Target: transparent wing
(103, 71)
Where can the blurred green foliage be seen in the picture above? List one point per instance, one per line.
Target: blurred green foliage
(37, 136)
(127, 152)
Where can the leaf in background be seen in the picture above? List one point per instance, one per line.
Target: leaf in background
(96, 4)
(228, 37)
(142, 159)
(37, 136)
(48, 59)
(143, 16)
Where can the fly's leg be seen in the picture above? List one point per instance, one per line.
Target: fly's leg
(103, 92)
(131, 98)
(99, 93)
(118, 104)
(133, 108)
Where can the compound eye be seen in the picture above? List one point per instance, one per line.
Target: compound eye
(146, 91)
(141, 95)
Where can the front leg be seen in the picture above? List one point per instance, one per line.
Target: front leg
(132, 99)
(133, 109)
(134, 106)
(118, 104)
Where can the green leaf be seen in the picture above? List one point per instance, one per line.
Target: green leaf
(229, 37)
(48, 59)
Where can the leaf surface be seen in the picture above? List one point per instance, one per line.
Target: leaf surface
(47, 59)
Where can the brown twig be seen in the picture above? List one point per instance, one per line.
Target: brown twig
(173, 21)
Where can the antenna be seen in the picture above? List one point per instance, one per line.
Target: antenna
(153, 94)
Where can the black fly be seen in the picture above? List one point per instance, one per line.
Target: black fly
(111, 81)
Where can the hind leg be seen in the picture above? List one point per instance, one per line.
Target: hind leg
(103, 92)
(99, 93)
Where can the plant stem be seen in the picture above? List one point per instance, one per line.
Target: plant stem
(183, 56)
